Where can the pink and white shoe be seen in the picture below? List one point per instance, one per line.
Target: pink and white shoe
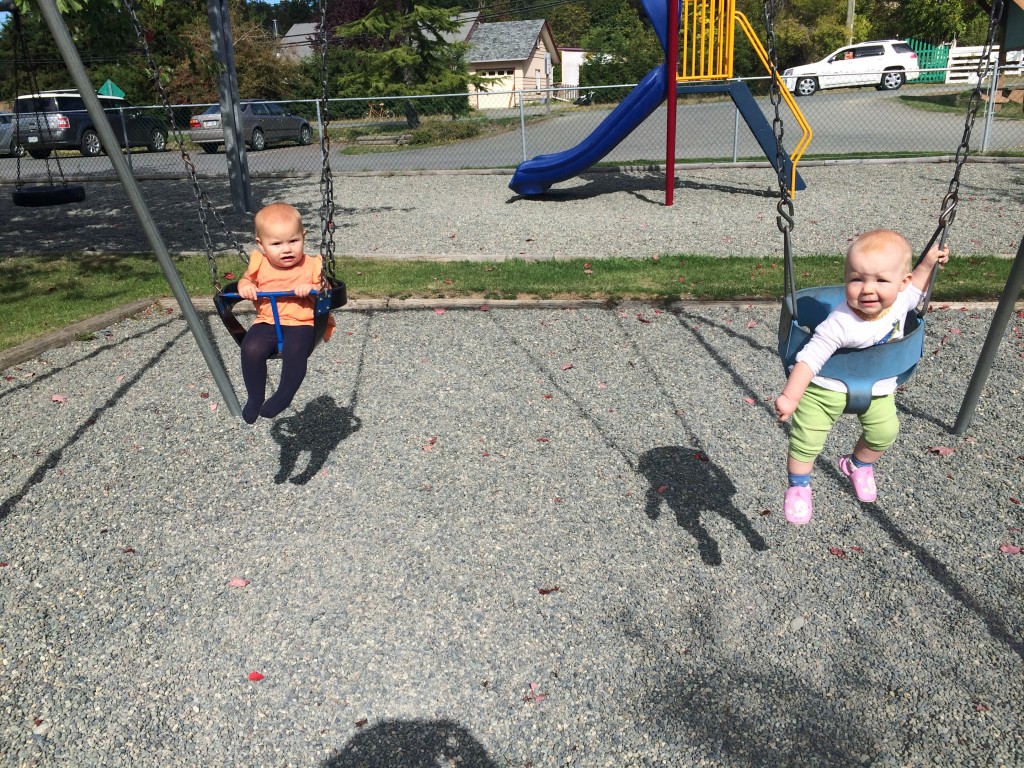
(863, 478)
(798, 508)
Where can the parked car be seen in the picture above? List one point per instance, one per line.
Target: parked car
(263, 123)
(59, 120)
(885, 64)
(8, 147)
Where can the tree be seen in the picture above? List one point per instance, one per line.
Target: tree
(623, 51)
(569, 23)
(399, 49)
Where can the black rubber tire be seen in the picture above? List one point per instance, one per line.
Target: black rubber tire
(90, 145)
(258, 141)
(805, 86)
(40, 196)
(892, 80)
(305, 135)
(157, 141)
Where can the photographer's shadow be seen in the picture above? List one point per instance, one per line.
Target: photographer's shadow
(317, 430)
(412, 744)
(690, 484)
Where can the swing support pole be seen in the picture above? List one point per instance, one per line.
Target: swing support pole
(68, 51)
(991, 346)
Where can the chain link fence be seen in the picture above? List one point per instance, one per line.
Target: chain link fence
(375, 136)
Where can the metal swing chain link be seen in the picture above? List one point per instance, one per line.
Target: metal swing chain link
(785, 219)
(206, 208)
(326, 179)
(949, 202)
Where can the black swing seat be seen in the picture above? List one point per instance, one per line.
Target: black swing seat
(326, 301)
(38, 196)
(859, 369)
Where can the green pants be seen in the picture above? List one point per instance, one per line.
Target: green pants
(820, 408)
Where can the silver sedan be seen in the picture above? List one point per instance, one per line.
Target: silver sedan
(263, 123)
(7, 146)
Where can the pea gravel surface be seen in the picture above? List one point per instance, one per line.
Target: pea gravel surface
(717, 211)
(504, 537)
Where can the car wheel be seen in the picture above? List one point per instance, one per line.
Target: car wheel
(39, 154)
(91, 145)
(305, 135)
(19, 151)
(210, 149)
(805, 86)
(157, 141)
(258, 141)
(892, 80)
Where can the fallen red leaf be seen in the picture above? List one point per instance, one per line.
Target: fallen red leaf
(58, 398)
(549, 590)
(129, 550)
(749, 400)
(701, 456)
(941, 450)
(547, 396)
(361, 723)
(980, 707)
(764, 512)
(1010, 549)
(1015, 501)
(567, 366)
(543, 440)
(858, 550)
(642, 319)
(229, 275)
(204, 395)
(3, 564)
(439, 310)
(484, 308)
(752, 324)
(662, 488)
(255, 676)
(238, 582)
(837, 552)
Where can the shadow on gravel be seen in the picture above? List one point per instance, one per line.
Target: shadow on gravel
(412, 744)
(648, 186)
(690, 484)
(53, 459)
(744, 719)
(318, 430)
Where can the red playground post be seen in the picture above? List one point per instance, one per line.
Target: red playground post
(672, 68)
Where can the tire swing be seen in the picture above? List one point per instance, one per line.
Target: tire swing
(332, 294)
(803, 310)
(36, 195)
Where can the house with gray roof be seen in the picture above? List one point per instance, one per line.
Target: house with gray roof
(512, 56)
(296, 43)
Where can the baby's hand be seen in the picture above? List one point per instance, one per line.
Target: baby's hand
(784, 407)
(305, 290)
(938, 255)
(247, 290)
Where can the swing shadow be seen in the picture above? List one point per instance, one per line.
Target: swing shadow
(317, 430)
(690, 484)
(412, 744)
(938, 571)
(52, 460)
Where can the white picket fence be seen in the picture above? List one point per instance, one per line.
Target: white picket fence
(964, 60)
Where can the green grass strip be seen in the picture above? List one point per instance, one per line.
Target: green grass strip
(46, 293)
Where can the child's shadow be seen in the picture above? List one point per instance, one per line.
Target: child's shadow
(690, 484)
(318, 430)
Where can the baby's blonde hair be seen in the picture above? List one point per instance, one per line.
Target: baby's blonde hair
(883, 241)
(278, 212)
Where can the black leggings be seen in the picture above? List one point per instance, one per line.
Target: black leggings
(259, 344)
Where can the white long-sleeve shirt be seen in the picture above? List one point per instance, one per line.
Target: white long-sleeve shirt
(843, 329)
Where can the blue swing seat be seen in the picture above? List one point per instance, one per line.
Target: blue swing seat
(859, 369)
(333, 298)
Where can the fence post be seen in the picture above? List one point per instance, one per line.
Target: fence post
(990, 109)
(522, 123)
(736, 135)
(319, 120)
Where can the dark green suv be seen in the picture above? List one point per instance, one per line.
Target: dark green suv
(53, 120)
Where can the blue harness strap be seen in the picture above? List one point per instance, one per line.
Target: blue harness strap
(858, 369)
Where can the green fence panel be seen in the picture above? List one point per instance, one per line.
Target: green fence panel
(930, 57)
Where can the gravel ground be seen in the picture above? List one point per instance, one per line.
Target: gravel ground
(566, 550)
(516, 537)
(720, 211)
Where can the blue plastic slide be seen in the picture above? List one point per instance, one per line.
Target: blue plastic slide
(534, 176)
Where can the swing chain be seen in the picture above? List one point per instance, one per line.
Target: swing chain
(785, 219)
(206, 208)
(949, 202)
(326, 179)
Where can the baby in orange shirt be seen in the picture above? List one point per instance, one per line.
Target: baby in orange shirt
(280, 263)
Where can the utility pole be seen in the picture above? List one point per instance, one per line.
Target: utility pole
(850, 5)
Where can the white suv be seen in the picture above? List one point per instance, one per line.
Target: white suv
(885, 64)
